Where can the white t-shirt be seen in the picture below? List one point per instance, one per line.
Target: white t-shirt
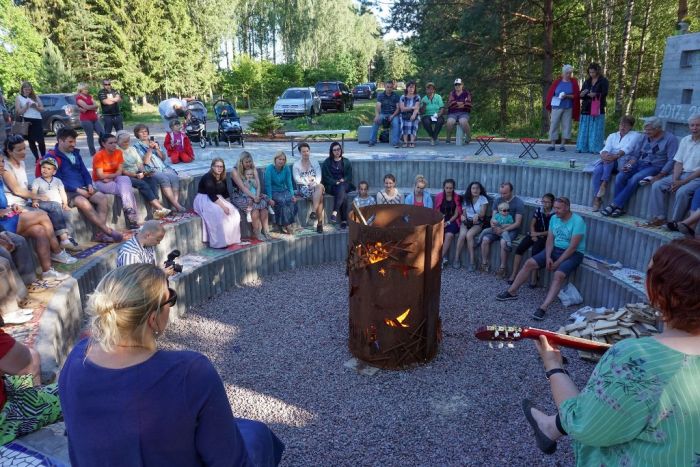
(21, 177)
(688, 154)
(31, 112)
(51, 189)
(472, 210)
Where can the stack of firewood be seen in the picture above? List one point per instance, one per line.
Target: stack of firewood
(611, 326)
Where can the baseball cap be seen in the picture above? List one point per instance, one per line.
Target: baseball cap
(429, 84)
(50, 161)
(458, 81)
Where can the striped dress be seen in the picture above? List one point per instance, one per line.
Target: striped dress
(641, 406)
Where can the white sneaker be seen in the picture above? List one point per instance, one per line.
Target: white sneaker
(53, 274)
(18, 316)
(63, 257)
(271, 210)
(161, 213)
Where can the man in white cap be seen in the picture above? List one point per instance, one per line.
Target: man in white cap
(459, 106)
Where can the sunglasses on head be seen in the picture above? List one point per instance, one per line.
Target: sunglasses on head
(172, 298)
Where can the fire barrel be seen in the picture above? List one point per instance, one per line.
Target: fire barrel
(394, 267)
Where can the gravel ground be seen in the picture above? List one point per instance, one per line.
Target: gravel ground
(280, 352)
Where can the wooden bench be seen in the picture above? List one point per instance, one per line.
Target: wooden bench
(326, 135)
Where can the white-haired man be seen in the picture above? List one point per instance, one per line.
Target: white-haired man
(683, 181)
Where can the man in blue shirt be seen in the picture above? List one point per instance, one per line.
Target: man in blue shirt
(78, 184)
(566, 242)
(387, 109)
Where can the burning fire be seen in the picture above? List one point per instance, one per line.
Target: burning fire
(376, 253)
(398, 321)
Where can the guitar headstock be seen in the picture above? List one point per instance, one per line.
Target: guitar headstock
(499, 333)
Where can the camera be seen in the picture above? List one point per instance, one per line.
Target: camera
(171, 261)
(152, 138)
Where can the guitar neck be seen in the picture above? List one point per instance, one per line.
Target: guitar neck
(566, 341)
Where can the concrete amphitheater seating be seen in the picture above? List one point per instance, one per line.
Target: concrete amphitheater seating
(213, 271)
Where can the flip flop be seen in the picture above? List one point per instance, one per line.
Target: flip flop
(686, 230)
(545, 444)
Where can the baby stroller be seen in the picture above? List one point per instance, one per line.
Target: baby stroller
(230, 129)
(196, 123)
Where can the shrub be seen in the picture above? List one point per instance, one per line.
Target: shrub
(265, 124)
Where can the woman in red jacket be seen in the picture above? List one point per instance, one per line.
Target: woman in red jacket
(563, 103)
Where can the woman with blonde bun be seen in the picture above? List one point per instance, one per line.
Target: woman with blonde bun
(127, 403)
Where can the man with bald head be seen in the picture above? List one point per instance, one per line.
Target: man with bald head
(141, 248)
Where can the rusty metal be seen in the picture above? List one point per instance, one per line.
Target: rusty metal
(394, 268)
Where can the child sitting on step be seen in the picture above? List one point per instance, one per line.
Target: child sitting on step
(177, 144)
(363, 199)
(253, 187)
(55, 202)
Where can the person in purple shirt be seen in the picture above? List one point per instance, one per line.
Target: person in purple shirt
(126, 403)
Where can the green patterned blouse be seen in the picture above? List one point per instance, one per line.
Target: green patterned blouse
(641, 406)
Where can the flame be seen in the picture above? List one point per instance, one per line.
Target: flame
(398, 321)
(377, 253)
(382, 272)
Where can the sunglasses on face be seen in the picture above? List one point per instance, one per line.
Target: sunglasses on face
(172, 298)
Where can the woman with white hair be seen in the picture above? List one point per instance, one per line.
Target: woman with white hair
(126, 403)
(563, 103)
(89, 119)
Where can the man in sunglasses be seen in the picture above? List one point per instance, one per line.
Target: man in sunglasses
(140, 249)
(109, 99)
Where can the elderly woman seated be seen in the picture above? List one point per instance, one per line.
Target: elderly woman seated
(641, 404)
(128, 402)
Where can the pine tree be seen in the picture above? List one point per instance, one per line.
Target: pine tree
(56, 74)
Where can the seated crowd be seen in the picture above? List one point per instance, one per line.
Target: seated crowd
(125, 326)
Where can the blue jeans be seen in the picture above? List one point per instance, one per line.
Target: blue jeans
(602, 173)
(263, 446)
(395, 129)
(626, 183)
(55, 213)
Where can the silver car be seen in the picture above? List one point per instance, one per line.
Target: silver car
(297, 102)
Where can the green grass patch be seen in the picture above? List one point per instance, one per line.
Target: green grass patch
(361, 114)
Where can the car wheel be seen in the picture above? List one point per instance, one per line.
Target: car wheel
(56, 125)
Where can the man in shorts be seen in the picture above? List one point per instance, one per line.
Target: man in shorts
(78, 184)
(566, 243)
(459, 106)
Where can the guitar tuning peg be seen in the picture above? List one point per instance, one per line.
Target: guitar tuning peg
(496, 334)
(491, 345)
(510, 345)
(517, 334)
(500, 345)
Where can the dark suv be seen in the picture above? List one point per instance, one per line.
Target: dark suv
(334, 95)
(60, 110)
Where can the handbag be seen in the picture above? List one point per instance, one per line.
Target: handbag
(20, 127)
(595, 107)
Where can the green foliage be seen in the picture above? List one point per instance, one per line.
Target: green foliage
(56, 75)
(265, 124)
(20, 48)
(362, 114)
(394, 61)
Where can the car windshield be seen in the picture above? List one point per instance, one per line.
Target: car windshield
(296, 94)
(320, 87)
(361, 88)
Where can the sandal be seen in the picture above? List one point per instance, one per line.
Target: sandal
(404, 145)
(412, 145)
(546, 445)
(484, 267)
(672, 226)
(617, 212)
(608, 210)
(501, 273)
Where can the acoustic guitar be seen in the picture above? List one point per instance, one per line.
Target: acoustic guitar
(510, 334)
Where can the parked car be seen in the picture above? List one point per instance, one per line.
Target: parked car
(362, 92)
(372, 86)
(334, 95)
(296, 102)
(60, 110)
